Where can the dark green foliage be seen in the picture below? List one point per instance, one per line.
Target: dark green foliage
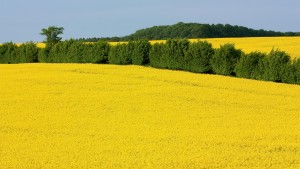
(140, 54)
(248, 65)
(121, 54)
(113, 57)
(75, 52)
(2, 52)
(95, 39)
(155, 55)
(71, 51)
(127, 54)
(90, 52)
(296, 64)
(274, 65)
(43, 54)
(198, 56)
(51, 34)
(225, 59)
(174, 52)
(289, 73)
(97, 52)
(3, 49)
(58, 52)
(196, 30)
(8, 53)
(179, 54)
(192, 30)
(27, 53)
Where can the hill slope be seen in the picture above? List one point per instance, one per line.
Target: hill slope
(107, 116)
(196, 30)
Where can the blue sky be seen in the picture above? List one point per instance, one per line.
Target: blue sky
(22, 20)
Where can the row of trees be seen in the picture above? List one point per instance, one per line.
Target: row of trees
(25, 53)
(71, 51)
(176, 54)
(200, 57)
(95, 39)
(192, 30)
(196, 30)
(134, 52)
(275, 66)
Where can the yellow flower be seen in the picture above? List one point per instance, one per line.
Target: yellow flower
(108, 116)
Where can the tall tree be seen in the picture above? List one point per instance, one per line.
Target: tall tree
(52, 33)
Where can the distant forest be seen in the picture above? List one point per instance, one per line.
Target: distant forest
(193, 30)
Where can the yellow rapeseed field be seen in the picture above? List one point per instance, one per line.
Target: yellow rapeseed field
(41, 45)
(107, 116)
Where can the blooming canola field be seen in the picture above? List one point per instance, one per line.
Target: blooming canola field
(108, 116)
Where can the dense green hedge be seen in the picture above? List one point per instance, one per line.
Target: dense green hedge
(134, 52)
(8, 52)
(248, 65)
(200, 57)
(197, 57)
(225, 59)
(140, 53)
(121, 54)
(25, 53)
(155, 55)
(176, 54)
(72, 51)
(275, 66)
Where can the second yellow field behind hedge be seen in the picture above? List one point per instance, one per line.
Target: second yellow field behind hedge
(264, 44)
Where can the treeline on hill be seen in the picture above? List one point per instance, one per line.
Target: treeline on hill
(196, 30)
(95, 39)
(175, 54)
(192, 30)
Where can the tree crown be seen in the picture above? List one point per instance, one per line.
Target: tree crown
(52, 33)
